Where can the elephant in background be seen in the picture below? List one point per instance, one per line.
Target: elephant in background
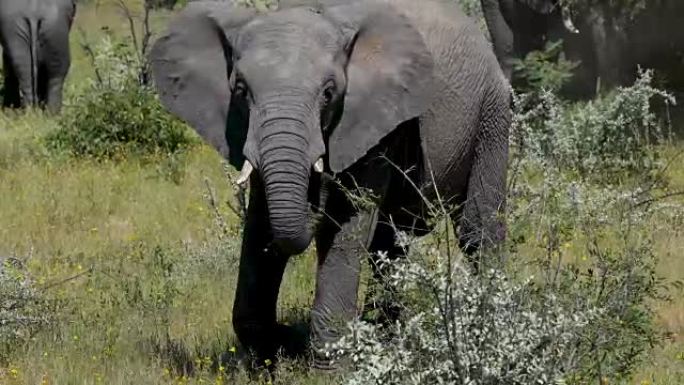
(648, 37)
(401, 98)
(34, 35)
(518, 27)
(607, 40)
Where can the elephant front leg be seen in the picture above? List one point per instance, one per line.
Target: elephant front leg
(259, 278)
(341, 243)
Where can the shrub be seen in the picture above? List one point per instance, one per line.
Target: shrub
(570, 297)
(166, 4)
(605, 139)
(546, 69)
(2, 86)
(22, 308)
(115, 114)
(461, 328)
(593, 247)
(585, 193)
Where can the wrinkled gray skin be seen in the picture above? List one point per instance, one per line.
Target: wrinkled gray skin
(35, 41)
(370, 87)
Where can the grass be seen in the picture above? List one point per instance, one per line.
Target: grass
(141, 276)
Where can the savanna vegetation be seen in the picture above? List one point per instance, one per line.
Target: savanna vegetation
(120, 237)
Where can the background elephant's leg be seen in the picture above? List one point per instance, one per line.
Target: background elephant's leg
(341, 242)
(11, 97)
(53, 94)
(19, 55)
(259, 278)
(501, 33)
(608, 41)
(56, 60)
(481, 224)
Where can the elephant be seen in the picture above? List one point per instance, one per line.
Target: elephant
(624, 40)
(403, 101)
(608, 41)
(518, 27)
(34, 35)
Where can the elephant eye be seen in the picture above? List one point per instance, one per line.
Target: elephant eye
(328, 93)
(240, 89)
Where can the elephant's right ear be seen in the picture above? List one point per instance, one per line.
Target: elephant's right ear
(191, 65)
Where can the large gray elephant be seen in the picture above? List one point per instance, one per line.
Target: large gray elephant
(35, 41)
(401, 98)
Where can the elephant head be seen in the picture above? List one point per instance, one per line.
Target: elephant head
(288, 93)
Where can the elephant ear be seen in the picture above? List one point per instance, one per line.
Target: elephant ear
(191, 66)
(389, 78)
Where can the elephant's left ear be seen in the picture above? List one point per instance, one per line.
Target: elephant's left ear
(389, 78)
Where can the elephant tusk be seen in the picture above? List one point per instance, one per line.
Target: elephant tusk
(567, 21)
(318, 166)
(246, 171)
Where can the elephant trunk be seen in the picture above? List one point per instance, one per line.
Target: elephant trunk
(285, 169)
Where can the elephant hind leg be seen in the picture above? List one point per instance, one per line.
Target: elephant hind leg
(481, 222)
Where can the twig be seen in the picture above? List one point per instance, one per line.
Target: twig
(63, 281)
(131, 24)
(655, 199)
(90, 52)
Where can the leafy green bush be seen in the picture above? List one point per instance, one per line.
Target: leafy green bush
(115, 114)
(546, 69)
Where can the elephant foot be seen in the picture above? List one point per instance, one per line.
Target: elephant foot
(268, 345)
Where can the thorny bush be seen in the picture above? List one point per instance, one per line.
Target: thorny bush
(23, 310)
(569, 298)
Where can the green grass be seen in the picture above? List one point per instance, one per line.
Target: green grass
(139, 273)
(96, 233)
